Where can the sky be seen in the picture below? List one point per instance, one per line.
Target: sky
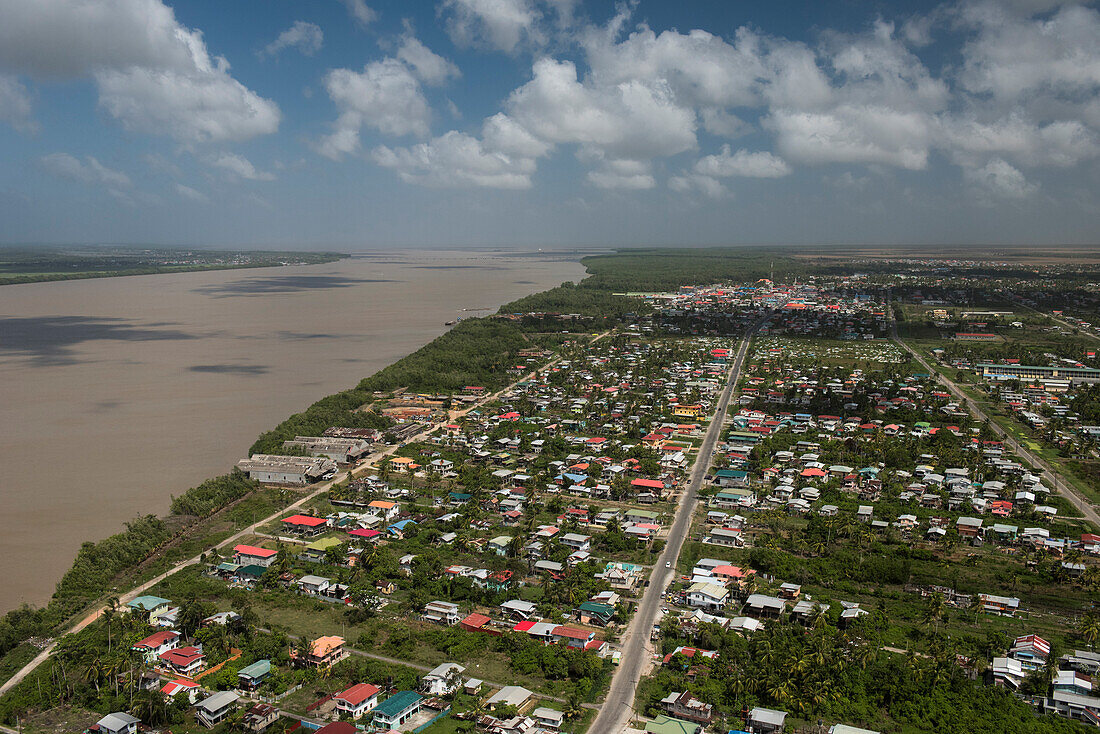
(359, 124)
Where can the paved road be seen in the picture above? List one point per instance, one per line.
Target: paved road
(617, 709)
(1069, 325)
(251, 529)
(1046, 470)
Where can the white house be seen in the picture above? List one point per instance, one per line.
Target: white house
(442, 679)
(357, 700)
(707, 595)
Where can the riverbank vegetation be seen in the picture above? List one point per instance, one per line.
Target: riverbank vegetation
(39, 264)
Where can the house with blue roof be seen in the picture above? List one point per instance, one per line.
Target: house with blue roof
(398, 528)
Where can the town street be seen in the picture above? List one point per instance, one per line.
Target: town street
(618, 708)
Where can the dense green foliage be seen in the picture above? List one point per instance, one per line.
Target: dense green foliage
(573, 299)
(475, 352)
(214, 494)
(667, 268)
(341, 409)
(843, 675)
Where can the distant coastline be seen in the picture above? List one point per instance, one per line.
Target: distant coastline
(40, 264)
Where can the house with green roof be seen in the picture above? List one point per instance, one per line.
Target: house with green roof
(315, 551)
(154, 606)
(499, 544)
(397, 709)
(731, 478)
(252, 676)
(594, 613)
(668, 725)
(633, 515)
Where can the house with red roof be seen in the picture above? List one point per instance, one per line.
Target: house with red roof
(305, 525)
(184, 660)
(690, 653)
(474, 622)
(250, 555)
(572, 636)
(155, 644)
(357, 700)
(188, 688)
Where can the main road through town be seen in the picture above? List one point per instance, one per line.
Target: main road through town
(615, 714)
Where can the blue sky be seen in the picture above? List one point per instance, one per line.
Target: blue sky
(365, 124)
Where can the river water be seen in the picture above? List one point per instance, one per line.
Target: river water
(117, 393)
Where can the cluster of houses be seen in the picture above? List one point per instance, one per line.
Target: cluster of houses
(1072, 692)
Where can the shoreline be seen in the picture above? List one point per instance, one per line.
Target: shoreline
(267, 259)
(422, 331)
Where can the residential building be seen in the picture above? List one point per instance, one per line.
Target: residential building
(707, 596)
(156, 644)
(325, 652)
(663, 724)
(250, 555)
(116, 723)
(212, 710)
(184, 660)
(251, 677)
(765, 721)
(442, 679)
(357, 700)
(259, 717)
(442, 612)
(686, 706)
(517, 696)
(397, 709)
(550, 718)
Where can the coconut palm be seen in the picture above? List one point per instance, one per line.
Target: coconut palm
(1090, 630)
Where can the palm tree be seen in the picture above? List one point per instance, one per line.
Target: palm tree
(94, 673)
(151, 707)
(573, 708)
(975, 606)
(936, 609)
(109, 612)
(1090, 630)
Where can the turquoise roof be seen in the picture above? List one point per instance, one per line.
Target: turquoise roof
(397, 703)
(148, 603)
(258, 669)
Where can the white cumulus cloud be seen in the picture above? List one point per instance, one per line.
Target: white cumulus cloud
(306, 37)
(1000, 178)
(241, 167)
(154, 74)
(363, 14)
(742, 163)
(386, 96)
(454, 160)
(495, 24)
(429, 67)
